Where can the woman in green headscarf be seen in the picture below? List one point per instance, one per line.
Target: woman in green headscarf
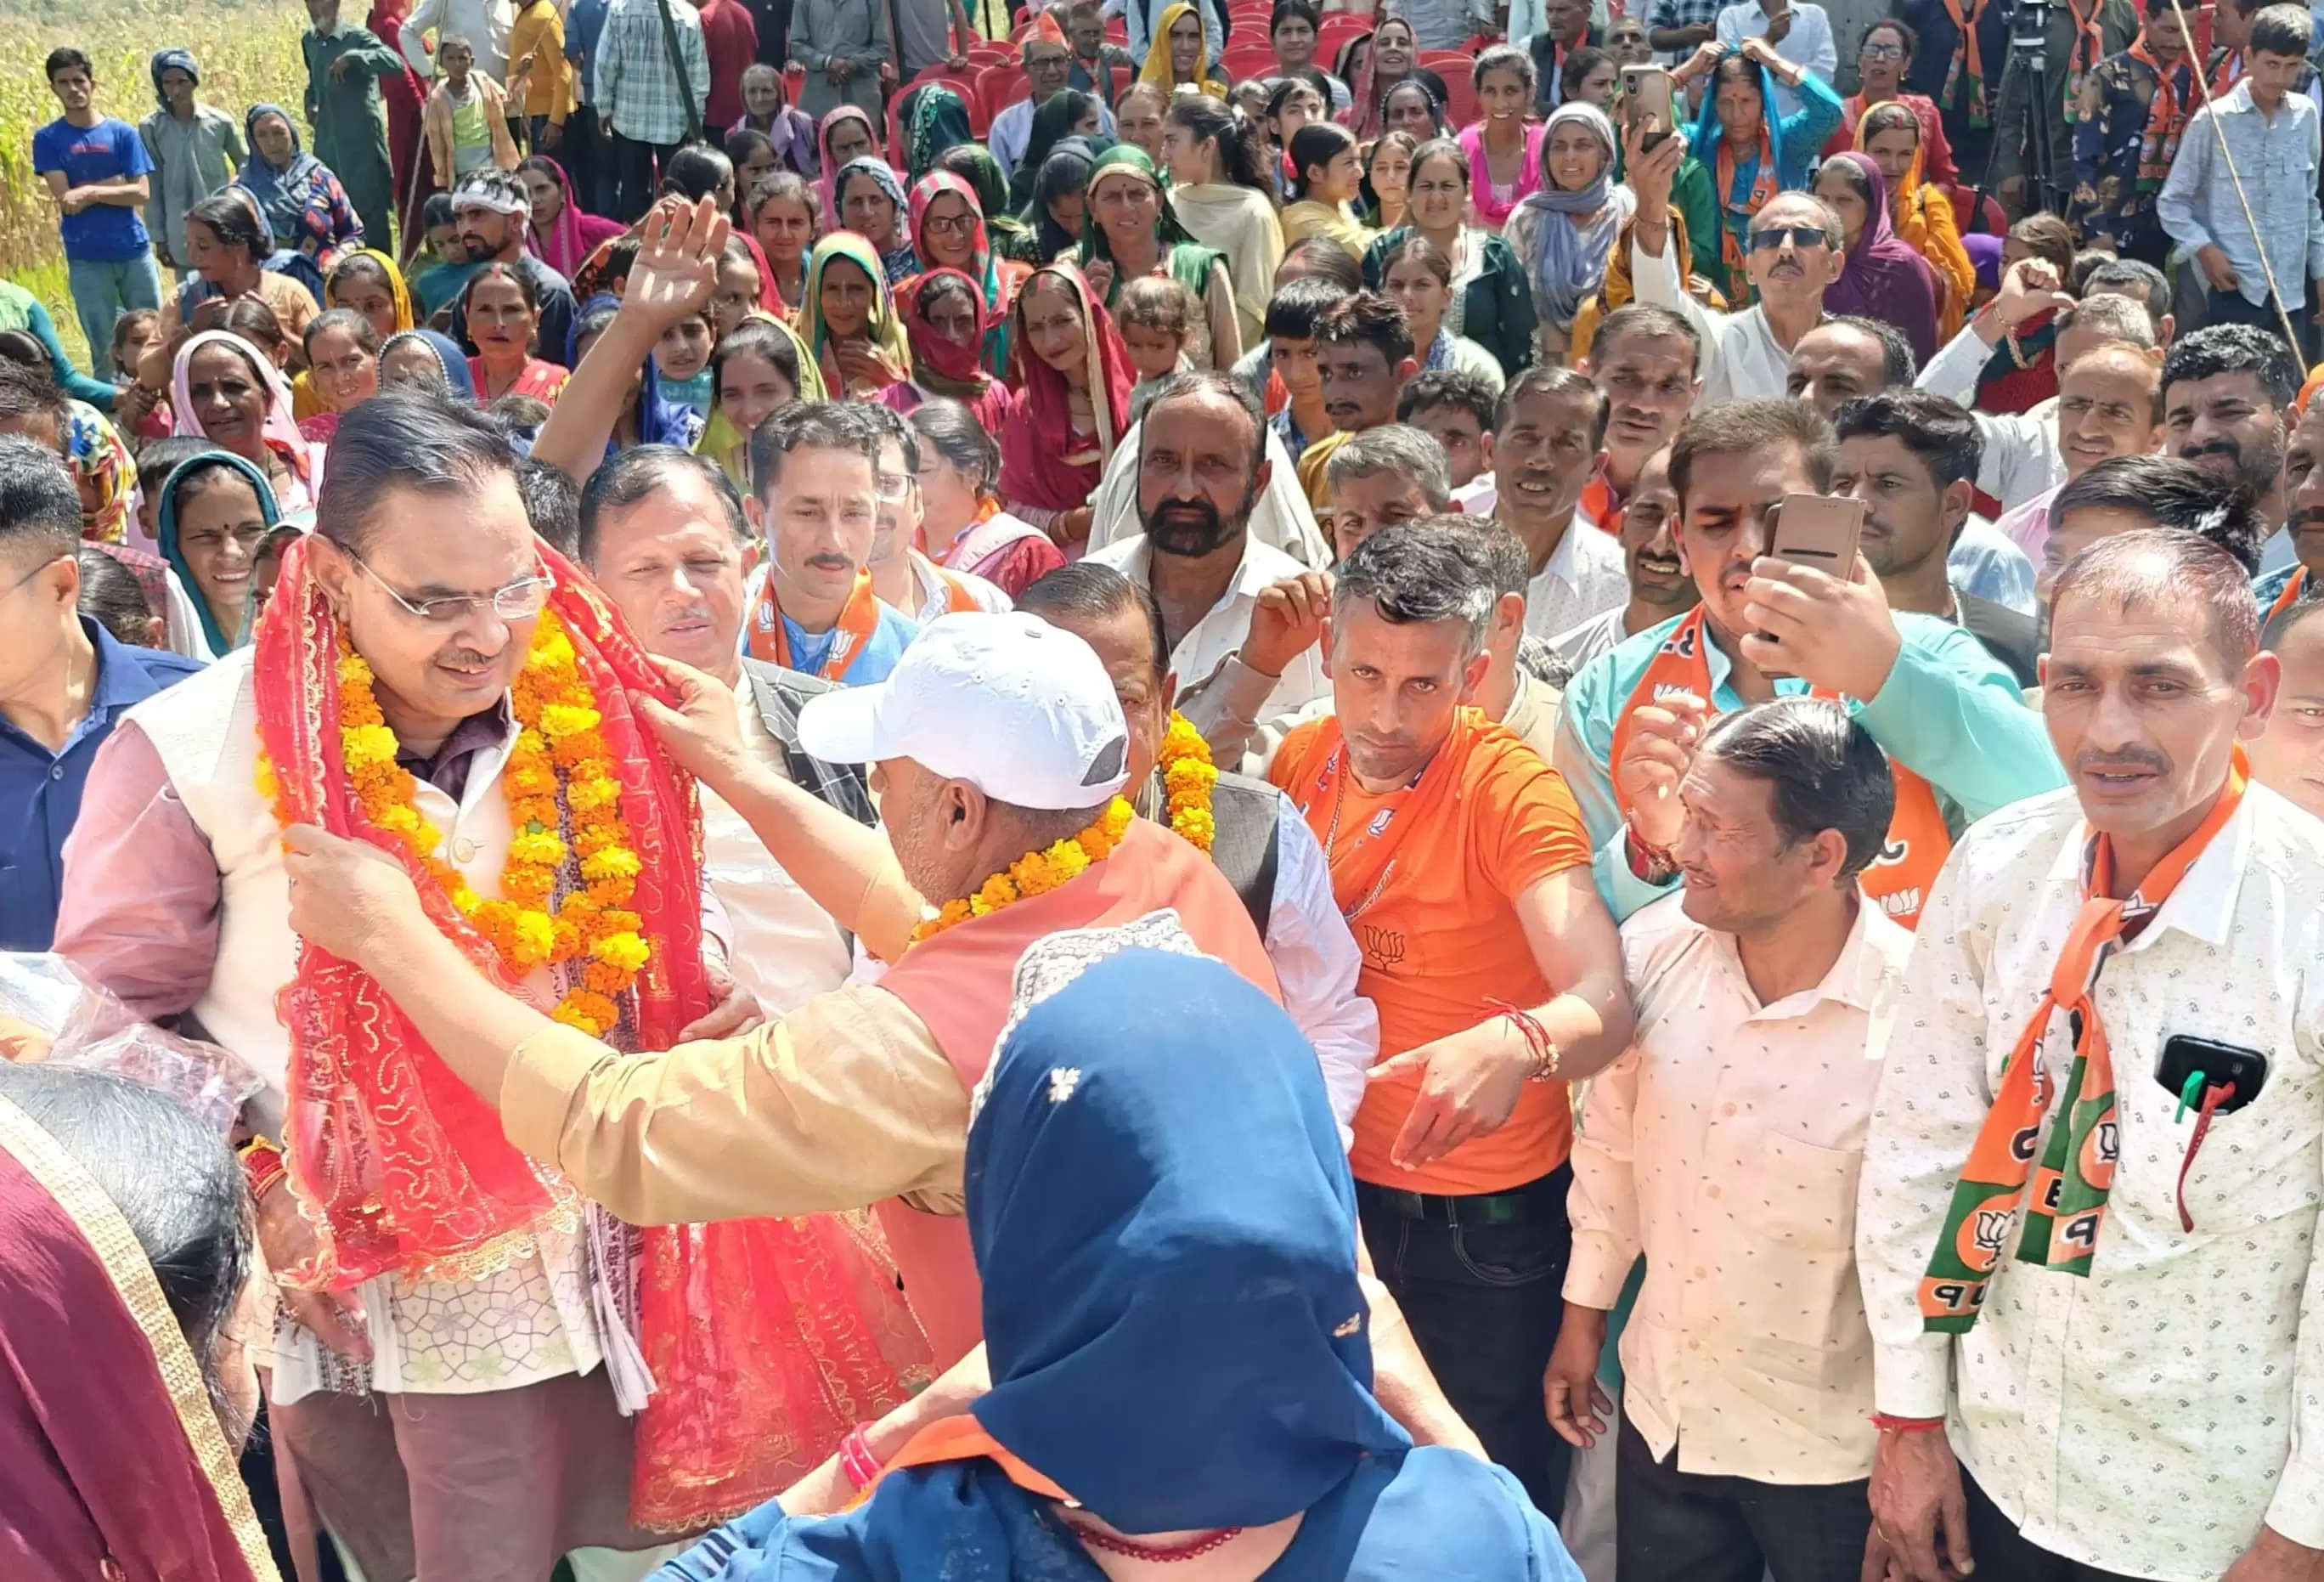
(216, 512)
(974, 163)
(1053, 220)
(849, 320)
(1131, 232)
(934, 123)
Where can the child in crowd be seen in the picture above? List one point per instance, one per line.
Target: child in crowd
(466, 117)
(442, 268)
(682, 358)
(1155, 315)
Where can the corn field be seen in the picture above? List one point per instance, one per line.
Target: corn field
(247, 53)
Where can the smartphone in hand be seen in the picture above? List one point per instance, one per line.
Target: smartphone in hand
(1646, 101)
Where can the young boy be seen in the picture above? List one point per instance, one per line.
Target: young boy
(2271, 133)
(97, 170)
(195, 149)
(1155, 315)
(466, 117)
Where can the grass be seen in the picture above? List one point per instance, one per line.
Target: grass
(247, 54)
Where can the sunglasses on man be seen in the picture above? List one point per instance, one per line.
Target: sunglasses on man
(1799, 237)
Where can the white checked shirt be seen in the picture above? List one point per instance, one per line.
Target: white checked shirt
(2147, 1419)
(636, 90)
(1583, 577)
(1724, 1144)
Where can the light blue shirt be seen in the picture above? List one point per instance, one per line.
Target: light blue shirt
(1984, 564)
(871, 662)
(1949, 711)
(2277, 160)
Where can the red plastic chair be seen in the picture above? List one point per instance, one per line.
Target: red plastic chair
(959, 82)
(1445, 64)
(1460, 101)
(1001, 87)
(1243, 61)
(1117, 31)
(1337, 29)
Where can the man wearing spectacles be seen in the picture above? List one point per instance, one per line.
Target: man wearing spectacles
(64, 681)
(1795, 253)
(424, 584)
(904, 578)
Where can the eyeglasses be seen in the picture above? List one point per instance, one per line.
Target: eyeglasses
(517, 601)
(949, 224)
(895, 487)
(1882, 51)
(1801, 236)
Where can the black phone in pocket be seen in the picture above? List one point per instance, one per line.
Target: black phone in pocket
(2183, 1055)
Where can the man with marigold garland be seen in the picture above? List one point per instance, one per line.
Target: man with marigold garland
(1460, 860)
(433, 682)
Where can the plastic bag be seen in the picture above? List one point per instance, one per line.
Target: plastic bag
(45, 996)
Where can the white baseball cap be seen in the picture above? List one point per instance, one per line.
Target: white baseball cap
(1020, 709)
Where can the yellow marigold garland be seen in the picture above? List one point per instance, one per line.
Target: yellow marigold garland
(1037, 873)
(1187, 777)
(560, 780)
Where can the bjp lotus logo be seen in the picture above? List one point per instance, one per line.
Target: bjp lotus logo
(1984, 1232)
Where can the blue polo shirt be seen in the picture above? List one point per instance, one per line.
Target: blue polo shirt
(39, 790)
(870, 663)
(110, 150)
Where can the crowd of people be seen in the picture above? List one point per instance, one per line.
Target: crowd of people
(1229, 789)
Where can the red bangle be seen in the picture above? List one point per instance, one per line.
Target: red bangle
(856, 1460)
(262, 1167)
(1907, 1425)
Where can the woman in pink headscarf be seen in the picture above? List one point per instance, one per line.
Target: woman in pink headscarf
(225, 390)
(559, 233)
(844, 135)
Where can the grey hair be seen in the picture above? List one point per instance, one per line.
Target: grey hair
(403, 440)
(2116, 317)
(2152, 566)
(1408, 574)
(1395, 447)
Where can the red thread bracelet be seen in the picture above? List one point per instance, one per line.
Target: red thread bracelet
(1907, 1425)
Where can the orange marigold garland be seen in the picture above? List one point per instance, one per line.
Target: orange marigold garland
(1037, 873)
(559, 779)
(1187, 777)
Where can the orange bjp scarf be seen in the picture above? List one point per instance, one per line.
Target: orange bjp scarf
(2066, 1210)
(858, 619)
(1765, 182)
(1918, 841)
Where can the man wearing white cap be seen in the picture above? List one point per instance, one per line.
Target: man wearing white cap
(1000, 748)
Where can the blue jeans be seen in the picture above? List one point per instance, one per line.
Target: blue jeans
(102, 291)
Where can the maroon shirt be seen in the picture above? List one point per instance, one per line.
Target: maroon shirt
(730, 39)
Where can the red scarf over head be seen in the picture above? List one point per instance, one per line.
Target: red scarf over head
(1039, 444)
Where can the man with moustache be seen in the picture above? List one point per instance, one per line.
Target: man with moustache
(2022, 450)
(490, 211)
(663, 533)
(1363, 357)
(1459, 862)
(2228, 391)
(2109, 406)
(2103, 971)
(1660, 588)
(1551, 426)
(2303, 523)
(1239, 616)
(1795, 253)
(812, 605)
(1935, 700)
(1911, 457)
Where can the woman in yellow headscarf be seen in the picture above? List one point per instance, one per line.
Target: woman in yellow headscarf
(761, 365)
(365, 281)
(1181, 54)
(1923, 216)
(849, 322)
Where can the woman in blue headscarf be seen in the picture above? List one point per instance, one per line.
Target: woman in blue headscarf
(406, 359)
(1753, 154)
(299, 198)
(1165, 1227)
(215, 514)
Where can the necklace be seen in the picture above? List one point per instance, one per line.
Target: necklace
(1187, 777)
(1341, 773)
(1156, 1552)
(560, 776)
(1037, 873)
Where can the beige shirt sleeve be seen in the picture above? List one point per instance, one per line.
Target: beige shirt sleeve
(844, 1102)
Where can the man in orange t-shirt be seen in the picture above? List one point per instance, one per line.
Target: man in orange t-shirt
(1460, 861)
